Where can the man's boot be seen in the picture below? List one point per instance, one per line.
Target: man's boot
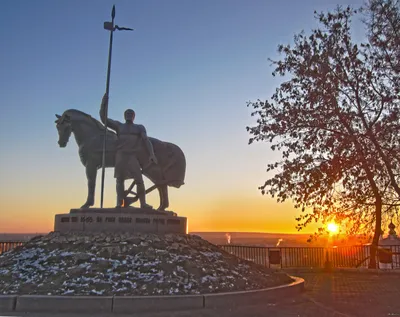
(120, 192)
(142, 196)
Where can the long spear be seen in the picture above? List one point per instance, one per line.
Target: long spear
(110, 27)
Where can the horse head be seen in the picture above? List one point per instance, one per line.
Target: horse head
(64, 128)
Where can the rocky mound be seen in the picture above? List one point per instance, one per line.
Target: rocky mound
(128, 264)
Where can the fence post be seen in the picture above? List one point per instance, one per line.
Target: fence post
(328, 263)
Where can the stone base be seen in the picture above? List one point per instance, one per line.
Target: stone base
(120, 220)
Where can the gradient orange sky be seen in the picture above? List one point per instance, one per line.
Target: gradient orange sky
(244, 211)
(187, 70)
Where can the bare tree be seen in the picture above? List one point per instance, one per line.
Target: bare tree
(335, 122)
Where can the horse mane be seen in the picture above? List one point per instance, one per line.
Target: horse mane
(96, 122)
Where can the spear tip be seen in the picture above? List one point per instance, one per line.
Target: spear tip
(113, 12)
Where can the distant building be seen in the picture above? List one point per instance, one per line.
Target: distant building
(389, 249)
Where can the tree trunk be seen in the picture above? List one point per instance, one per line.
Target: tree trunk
(375, 190)
(377, 234)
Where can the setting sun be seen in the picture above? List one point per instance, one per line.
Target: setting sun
(332, 227)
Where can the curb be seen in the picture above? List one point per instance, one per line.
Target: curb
(135, 304)
(7, 303)
(48, 303)
(139, 304)
(341, 270)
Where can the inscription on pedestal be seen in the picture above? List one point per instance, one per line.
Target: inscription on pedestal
(86, 219)
(160, 221)
(120, 221)
(142, 220)
(125, 220)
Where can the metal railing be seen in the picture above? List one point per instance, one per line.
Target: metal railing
(8, 245)
(316, 257)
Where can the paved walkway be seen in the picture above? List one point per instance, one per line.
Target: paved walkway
(326, 295)
(347, 294)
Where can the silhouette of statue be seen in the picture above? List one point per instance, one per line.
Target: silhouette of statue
(89, 135)
(131, 140)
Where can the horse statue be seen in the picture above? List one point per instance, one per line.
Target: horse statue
(89, 135)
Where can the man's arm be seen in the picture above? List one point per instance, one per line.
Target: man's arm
(110, 123)
(149, 146)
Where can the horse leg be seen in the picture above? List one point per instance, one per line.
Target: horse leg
(164, 201)
(91, 173)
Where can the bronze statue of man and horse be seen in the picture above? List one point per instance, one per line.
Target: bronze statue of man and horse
(169, 170)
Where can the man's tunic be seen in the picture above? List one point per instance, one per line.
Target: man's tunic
(129, 144)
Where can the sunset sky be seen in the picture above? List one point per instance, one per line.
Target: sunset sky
(187, 70)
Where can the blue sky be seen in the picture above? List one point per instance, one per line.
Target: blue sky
(187, 70)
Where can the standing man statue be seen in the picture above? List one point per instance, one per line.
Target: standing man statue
(131, 139)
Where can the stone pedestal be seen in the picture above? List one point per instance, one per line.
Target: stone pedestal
(120, 220)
